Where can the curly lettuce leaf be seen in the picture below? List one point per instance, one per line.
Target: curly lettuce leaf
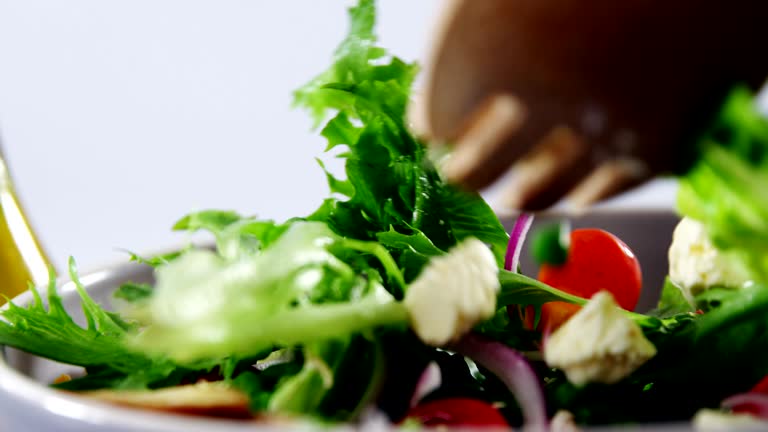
(235, 235)
(205, 306)
(49, 331)
(390, 185)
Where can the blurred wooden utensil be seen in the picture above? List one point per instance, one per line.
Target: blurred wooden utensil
(582, 99)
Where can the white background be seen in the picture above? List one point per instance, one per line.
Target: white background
(118, 117)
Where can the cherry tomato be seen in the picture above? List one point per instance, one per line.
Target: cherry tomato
(457, 412)
(761, 386)
(597, 260)
(754, 407)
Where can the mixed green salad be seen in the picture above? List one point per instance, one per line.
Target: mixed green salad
(400, 301)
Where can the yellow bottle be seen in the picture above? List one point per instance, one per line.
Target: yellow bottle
(22, 260)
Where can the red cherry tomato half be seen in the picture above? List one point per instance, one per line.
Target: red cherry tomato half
(457, 412)
(597, 260)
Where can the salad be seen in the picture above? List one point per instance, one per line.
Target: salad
(399, 301)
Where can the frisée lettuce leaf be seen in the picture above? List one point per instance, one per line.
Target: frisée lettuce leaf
(46, 329)
(293, 292)
(391, 185)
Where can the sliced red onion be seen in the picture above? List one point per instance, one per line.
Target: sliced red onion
(430, 380)
(752, 403)
(516, 240)
(514, 371)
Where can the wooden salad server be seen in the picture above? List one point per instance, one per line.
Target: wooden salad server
(582, 99)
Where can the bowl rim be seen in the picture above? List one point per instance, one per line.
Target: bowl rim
(17, 386)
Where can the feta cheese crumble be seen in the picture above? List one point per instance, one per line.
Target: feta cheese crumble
(453, 293)
(695, 264)
(598, 344)
(716, 420)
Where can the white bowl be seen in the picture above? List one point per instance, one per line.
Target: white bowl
(26, 403)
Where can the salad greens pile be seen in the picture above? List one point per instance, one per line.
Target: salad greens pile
(318, 294)
(306, 316)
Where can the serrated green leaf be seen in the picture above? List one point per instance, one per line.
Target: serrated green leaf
(52, 333)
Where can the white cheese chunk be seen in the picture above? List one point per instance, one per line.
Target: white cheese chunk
(453, 293)
(716, 420)
(598, 344)
(695, 264)
(563, 421)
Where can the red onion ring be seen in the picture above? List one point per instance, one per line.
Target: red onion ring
(430, 380)
(514, 371)
(516, 240)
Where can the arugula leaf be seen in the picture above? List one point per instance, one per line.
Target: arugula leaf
(413, 251)
(519, 289)
(468, 215)
(417, 242)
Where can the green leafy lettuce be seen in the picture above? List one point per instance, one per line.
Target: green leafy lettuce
(321, 283)
(391, 186)
(294, 292)
(727, 189)
(49, 331)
